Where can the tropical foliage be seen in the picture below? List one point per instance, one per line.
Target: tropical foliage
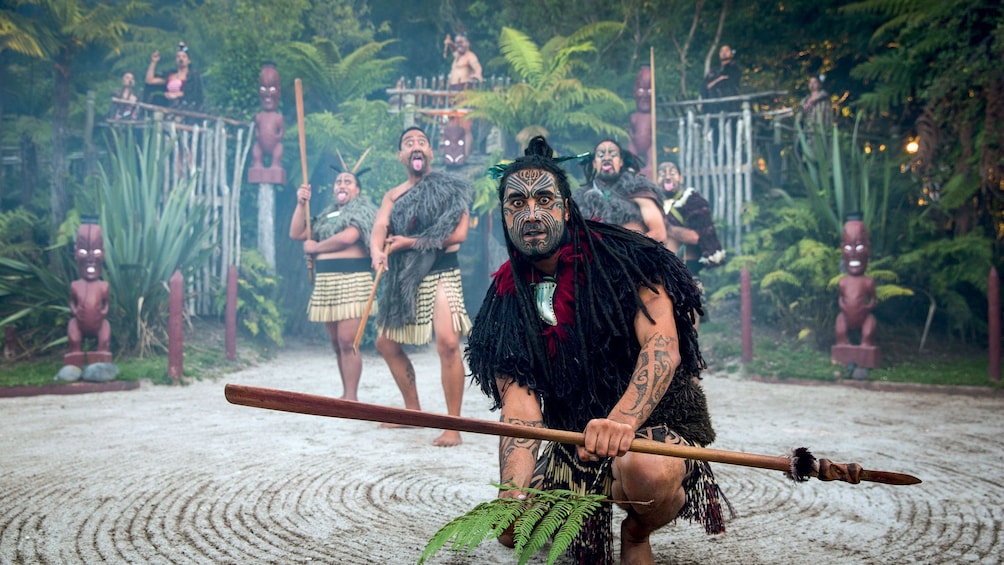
(927, 71)
(258, 289)
(548, 99)
(149, 233)
(836, 173)
(939, 63)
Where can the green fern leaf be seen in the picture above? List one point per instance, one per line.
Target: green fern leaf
(454, 528)
(587, 505)
(546, 527)
(526, 523)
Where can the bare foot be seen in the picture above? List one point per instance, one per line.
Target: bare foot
(388, 425)
(633, 551)
(450, 438)
(636, 553)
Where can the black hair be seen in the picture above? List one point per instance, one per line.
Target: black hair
(400, 140)
(618, 257)
(537, 155)
(631, 161)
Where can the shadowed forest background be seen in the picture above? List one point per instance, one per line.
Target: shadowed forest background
(897, 73)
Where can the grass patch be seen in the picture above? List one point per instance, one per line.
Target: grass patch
(943, 361)
(205, 358)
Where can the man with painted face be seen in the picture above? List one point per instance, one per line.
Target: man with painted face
(340, 242)
(417, 233)
(614, 194)
(590, 327)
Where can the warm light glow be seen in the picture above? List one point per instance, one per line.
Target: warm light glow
(868, 148)
(882, 147)
(912, 146)
(676, 150)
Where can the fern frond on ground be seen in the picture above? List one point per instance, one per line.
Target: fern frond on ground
(535, 520)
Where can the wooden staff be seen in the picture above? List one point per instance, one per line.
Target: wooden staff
(369, 302)
(802, 465)
(655, 154)
(298, 86)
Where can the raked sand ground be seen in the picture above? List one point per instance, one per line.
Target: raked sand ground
(178, 475)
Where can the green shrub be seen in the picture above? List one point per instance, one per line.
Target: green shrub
(150, 231)
(257, 294)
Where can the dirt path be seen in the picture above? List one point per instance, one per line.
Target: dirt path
(178, 475)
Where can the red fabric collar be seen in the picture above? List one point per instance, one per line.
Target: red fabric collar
(564, 296)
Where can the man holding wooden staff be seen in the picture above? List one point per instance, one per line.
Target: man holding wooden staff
(417, 233)
(590, 326)
(340, 243)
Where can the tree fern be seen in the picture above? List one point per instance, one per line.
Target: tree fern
(535, 520)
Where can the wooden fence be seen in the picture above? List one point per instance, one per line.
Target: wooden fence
(213, 150)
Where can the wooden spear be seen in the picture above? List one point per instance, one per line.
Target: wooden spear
(369, 302)
(298, 86)
(800, 466)
(654, 167)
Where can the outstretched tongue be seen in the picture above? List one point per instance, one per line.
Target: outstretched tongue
(417, 164)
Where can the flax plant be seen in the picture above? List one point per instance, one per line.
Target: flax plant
(151, 228)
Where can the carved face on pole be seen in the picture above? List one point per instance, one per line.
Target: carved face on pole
(534, 213)
(451, 144)
(89, 251)
(855, 247)
(643, 90)
(268, 88)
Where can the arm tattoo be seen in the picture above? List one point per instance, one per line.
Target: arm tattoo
(510, 445)
(652, 375)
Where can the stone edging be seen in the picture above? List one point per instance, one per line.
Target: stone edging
(881, 386)
(67, 388)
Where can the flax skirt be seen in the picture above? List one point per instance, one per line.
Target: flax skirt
(339, 295)
(420, 332)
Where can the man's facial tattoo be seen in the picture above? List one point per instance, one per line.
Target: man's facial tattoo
(534, 213)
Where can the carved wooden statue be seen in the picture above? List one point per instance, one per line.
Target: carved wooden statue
(453, 145)
(89, 301)
(641, 119)
(856, 300)
(269, 131)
